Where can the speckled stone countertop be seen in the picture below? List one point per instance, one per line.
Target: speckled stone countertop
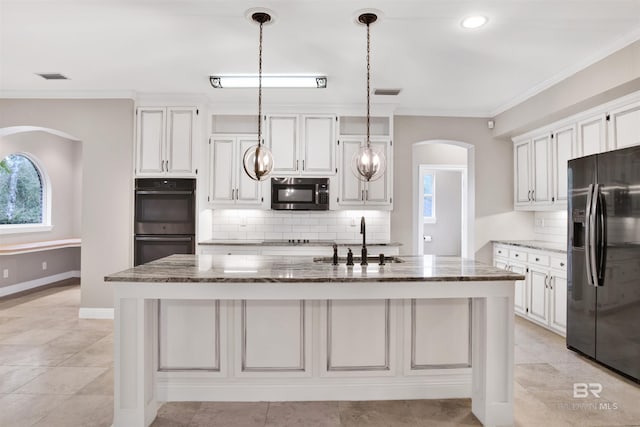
(536, 244)
(277, 269)
(231, 242)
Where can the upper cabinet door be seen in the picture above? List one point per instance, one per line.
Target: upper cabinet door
(378, 192)
(247, 190)
(318, 148)
(150, 141)
(541, 191)
(180, 127)
(624, 126)
(522, 174)
(563, 143)
(351, 188)
(222, 179)
(591, 136)
(282, 140)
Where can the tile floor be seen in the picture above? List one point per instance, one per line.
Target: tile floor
(57, 370)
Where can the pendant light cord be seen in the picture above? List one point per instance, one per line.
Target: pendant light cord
(260, 88)
(368, 85)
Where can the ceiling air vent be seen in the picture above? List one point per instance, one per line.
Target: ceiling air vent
(386, 92)
(53, 76)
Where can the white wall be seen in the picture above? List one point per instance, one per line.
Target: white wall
(61, 161)
(494, 214)
(105, 127)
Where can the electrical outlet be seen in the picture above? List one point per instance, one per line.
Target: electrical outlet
(540, 222)
(44, 265)
(5, 273)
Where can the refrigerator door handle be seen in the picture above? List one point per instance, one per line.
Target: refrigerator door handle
(592, 235)
(587, 236)
(602, 243)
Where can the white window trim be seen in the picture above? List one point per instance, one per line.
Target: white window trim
(46, 224)
(429, 219)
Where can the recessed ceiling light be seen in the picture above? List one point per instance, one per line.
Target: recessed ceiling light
(474, 21)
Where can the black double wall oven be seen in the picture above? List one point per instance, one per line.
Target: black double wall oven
(165, 218)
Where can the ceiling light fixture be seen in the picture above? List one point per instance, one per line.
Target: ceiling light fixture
(280, 81)
(368, 164)
(472, 22)
(257, 160)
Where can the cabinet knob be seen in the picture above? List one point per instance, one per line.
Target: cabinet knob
(517, 255)
(537, 259)
(562, 264)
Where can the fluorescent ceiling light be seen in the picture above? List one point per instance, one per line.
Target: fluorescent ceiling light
(225, 82)
(474, 21)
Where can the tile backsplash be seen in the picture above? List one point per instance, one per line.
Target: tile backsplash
(551, 226)
(340, 226)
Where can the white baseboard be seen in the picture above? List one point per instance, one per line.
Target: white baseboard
(31, 284)
(95, 313)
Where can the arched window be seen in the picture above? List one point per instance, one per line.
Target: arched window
(23, 191)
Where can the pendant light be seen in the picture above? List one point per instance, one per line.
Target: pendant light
(368, 164)
(257, 160)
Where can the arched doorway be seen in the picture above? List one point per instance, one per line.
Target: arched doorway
(441, 153)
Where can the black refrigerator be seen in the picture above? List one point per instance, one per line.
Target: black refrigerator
(603, 289)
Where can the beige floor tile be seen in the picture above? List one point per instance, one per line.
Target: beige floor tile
(176, 414)
(98, 354)
(33, 337)
(224, 414)
(78, 339)
(80, 411)
(13, 377)
(30, 355)
(23, 410)
(101, 386)
(58, 380)
(311, 414)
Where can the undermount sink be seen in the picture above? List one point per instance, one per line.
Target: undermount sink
(356, 260)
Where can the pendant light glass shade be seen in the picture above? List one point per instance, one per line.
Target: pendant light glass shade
(368, 164)
(258, 162)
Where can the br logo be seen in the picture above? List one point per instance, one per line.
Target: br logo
(582, 390)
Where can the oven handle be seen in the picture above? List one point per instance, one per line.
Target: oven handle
(164, 239)
(162, 192)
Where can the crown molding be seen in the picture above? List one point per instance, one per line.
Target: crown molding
(65, 94)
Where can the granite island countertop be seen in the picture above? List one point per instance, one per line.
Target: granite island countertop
(536, 244)
(277, 269)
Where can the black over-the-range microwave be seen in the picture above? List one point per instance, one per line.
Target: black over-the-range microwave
(300, 194)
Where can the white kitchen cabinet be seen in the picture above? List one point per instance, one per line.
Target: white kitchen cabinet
(563, 143)
(558, 300)
(624, 126)
(522, 186)
(165, 141)
(538, 295)
(541, 156)
(592, 135)
(540, 179)
(353, 191)
(302, 144)
(520, 296)
(229, 184)
(542, 296)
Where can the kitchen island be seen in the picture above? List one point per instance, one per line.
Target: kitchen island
(261, 328)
